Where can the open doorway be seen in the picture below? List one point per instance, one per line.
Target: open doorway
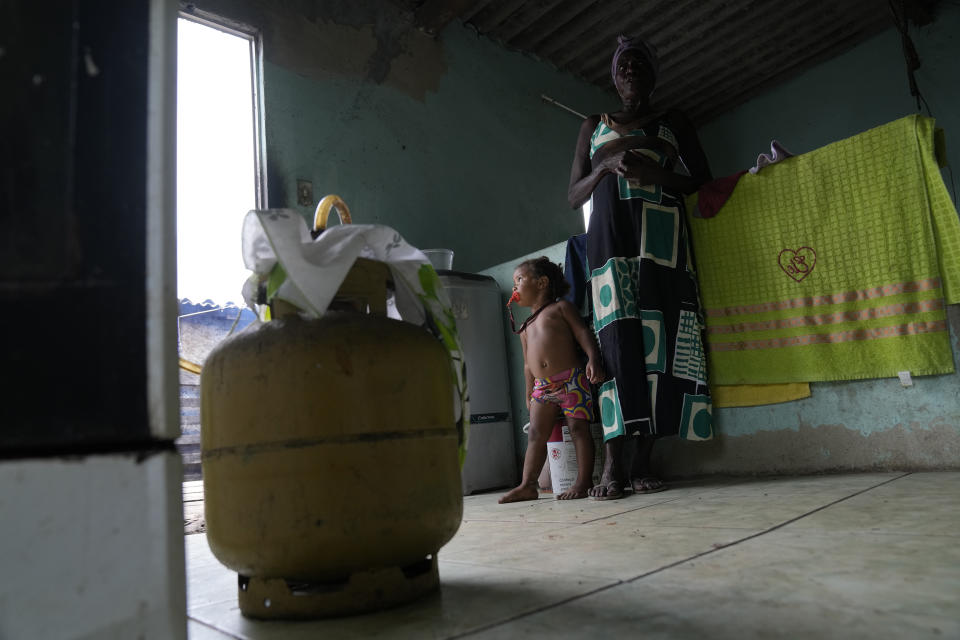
(219, 179)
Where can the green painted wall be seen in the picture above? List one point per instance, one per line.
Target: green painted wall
(444, 139)
(862, 88)
(477, 164)
(447, 141)
(842, 426)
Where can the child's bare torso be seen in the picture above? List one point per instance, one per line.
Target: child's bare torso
(550, 345)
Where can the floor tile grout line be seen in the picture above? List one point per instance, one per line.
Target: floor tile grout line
(552, 574)
(210, 626)
(620, 513)
(766, 531)
(194, 607)
(535, 611)
(552, 605)
(672, 564)
(662, 502)
(612, 515)
(560, 522)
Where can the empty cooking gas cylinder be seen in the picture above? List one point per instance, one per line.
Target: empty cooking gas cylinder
(330, 464)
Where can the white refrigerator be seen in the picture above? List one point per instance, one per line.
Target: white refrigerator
(479, 311)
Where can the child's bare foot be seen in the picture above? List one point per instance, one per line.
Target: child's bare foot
(519, 494)
(575, 492)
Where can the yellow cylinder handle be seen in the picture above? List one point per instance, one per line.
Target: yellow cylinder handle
(323, 211)
(192, 367)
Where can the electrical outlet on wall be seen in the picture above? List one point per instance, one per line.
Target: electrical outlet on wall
(304, 193)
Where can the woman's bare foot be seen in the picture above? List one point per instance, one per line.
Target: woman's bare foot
(519, 494)
(606, 490)
(577, 491)
(611, 480)
(649, 484)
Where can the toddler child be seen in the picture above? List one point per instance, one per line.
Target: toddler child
(556, 378)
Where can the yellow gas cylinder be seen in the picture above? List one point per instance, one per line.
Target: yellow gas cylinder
(330, 465)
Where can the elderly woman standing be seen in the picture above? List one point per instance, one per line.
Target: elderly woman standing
(647, 315)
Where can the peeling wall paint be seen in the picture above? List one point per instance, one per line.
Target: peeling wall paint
(374, 41)
(453, 148)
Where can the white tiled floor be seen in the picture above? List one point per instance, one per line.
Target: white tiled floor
(841, 556)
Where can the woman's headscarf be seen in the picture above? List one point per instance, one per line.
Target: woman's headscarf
(647, 50)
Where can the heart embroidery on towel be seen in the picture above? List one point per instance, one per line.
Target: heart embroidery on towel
(798, 264)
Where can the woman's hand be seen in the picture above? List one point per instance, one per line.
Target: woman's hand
(612, 163)
(639, 167)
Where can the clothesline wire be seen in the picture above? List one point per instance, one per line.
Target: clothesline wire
(550, 100)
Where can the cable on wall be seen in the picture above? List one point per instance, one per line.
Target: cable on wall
(902, 23)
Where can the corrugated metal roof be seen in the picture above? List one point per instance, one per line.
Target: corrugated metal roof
(715, 54)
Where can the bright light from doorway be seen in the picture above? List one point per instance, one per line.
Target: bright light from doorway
(216, 170)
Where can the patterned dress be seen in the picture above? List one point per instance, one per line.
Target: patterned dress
(646, 309)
